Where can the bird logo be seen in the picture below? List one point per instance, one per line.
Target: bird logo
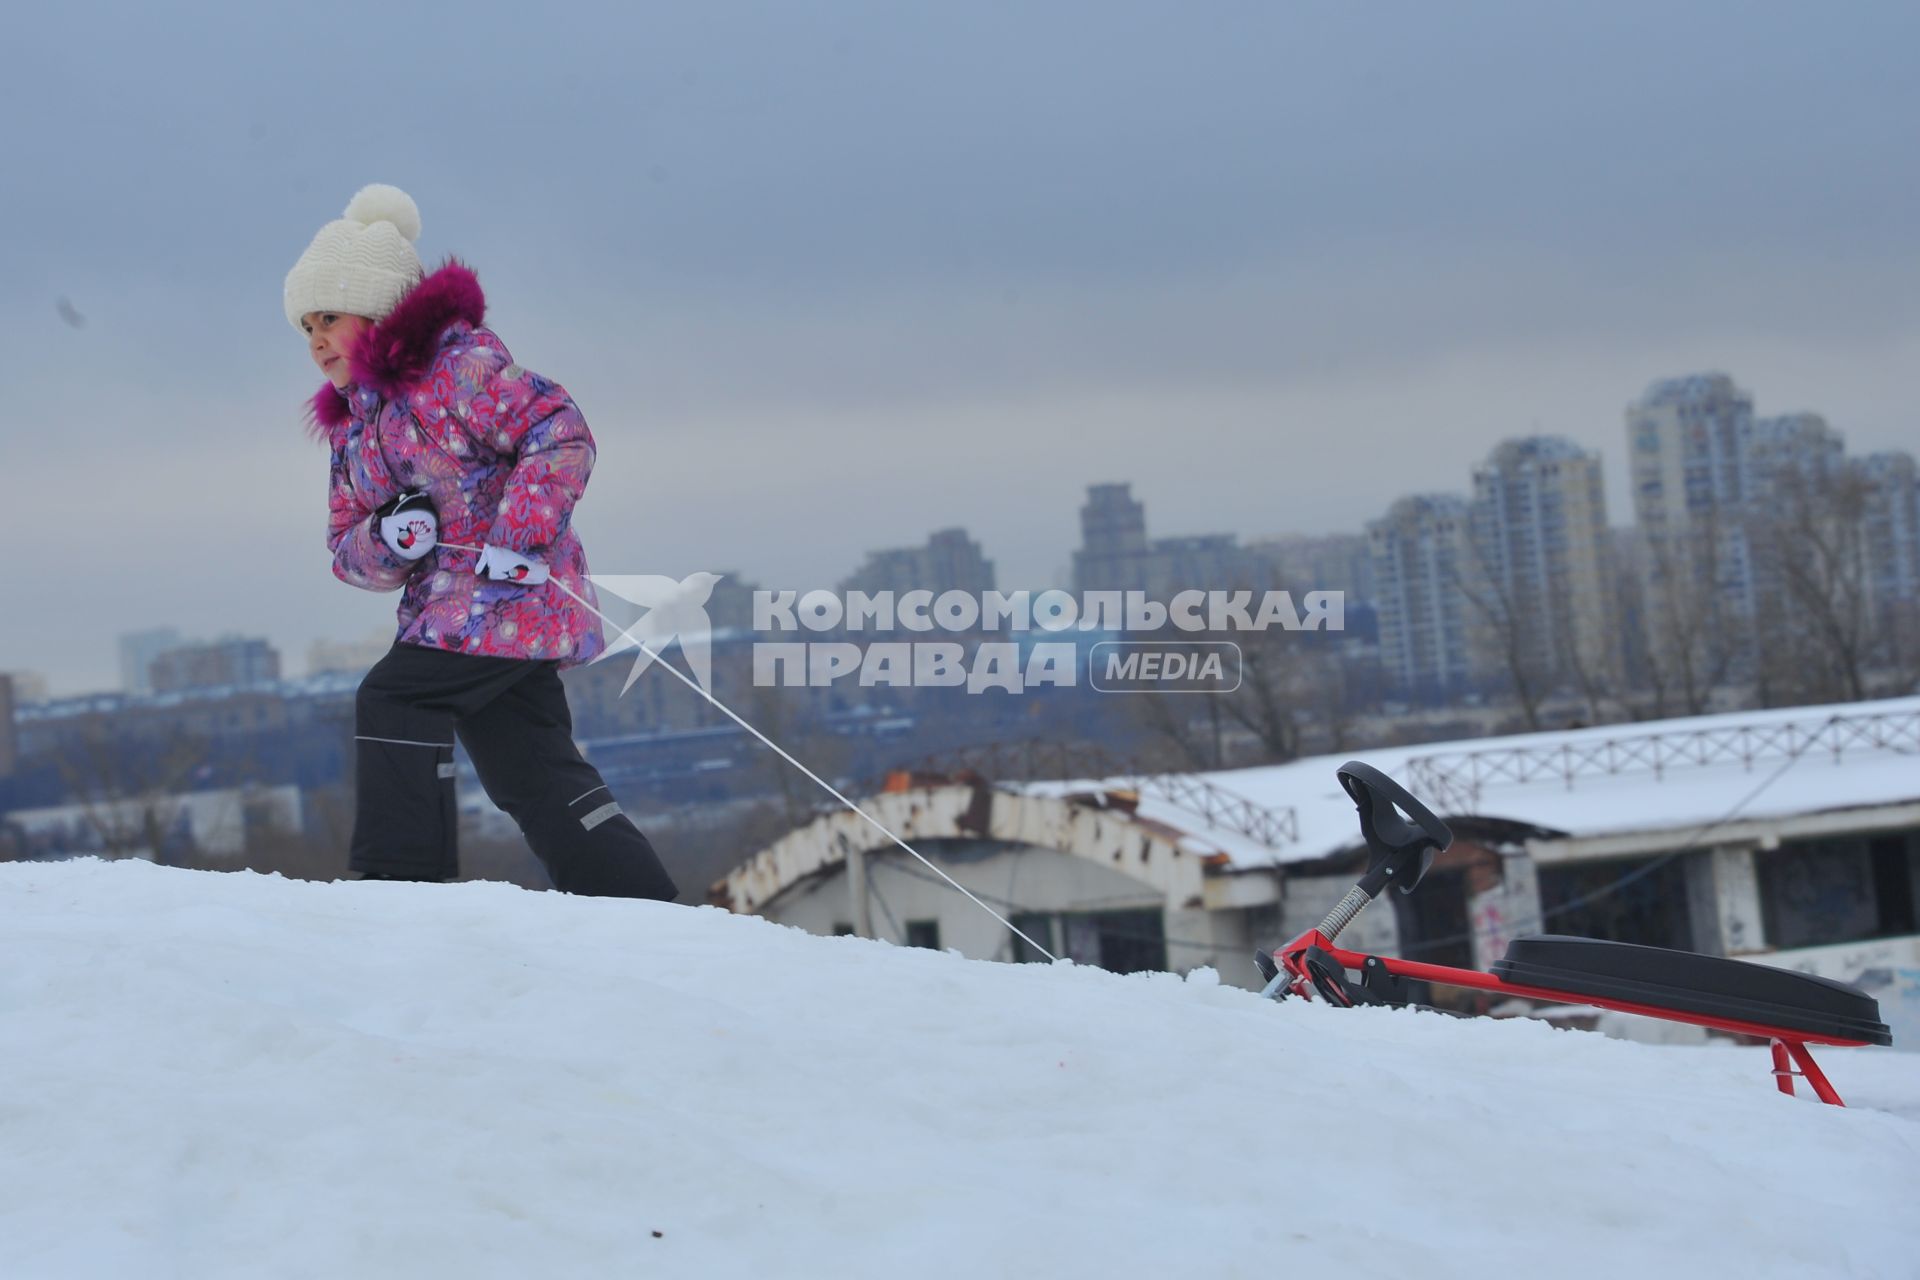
(675, 610)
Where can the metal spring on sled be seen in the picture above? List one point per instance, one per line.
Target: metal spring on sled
(1343, 912)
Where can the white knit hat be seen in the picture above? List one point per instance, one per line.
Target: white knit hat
(361, 264)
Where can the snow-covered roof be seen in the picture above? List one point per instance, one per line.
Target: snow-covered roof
(1609, 779)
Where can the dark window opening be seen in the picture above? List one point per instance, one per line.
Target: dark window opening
(1817, 892)
(1038, 927)
(1896, 882)
(1117, 941)
(924, 933)
(1620, 900)
(1433, 921)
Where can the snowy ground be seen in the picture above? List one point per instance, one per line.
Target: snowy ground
(233, 1075)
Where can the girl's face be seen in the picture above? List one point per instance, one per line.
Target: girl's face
(331, 336)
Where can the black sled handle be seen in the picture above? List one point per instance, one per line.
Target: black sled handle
(1401, 850)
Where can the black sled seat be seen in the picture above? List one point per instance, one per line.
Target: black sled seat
(1707, 986)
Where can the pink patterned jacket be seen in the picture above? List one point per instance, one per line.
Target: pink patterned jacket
(437, 404)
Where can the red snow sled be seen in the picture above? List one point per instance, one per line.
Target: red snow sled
(1790, 1010)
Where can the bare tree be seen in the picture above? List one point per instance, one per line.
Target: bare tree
(1896, 644)
(315, 850)
(774, 713)
(1693, 638)
(128, 792)
(14, 842)
(1187, 727)
(1529, 634)
(1809, 559)
(1291, 684)
(1506, 629)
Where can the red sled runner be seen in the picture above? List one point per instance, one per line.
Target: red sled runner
(1790, 1010)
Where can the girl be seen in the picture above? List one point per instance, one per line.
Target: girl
(438, 436)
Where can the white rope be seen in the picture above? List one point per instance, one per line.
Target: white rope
(626, 633)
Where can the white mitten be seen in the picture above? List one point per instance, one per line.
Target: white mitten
(409, 526)
(497, 564)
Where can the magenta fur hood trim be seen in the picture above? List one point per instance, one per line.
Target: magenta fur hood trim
(396, 353)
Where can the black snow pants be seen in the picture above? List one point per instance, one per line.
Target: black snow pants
(511, 715)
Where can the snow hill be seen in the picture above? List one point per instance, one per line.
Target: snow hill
(234, 1075)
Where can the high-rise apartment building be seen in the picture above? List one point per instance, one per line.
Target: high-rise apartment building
(950, 561)
(1801, 494)
(1797, 445)
(1690, 456)
(1892, 536)
(1422, 554)
(1116, 555)
(1765, 551)
(1113, 553)
(1320, 562)
(1540, 543)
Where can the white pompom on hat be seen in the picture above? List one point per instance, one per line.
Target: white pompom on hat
(361, 264)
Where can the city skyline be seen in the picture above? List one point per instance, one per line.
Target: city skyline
(1529, 549)
(893, 559)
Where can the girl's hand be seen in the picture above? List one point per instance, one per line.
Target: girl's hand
(409, 525)
(497, 564)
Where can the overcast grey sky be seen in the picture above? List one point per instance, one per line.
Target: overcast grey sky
(827, 277)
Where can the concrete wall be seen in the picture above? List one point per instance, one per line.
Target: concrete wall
(1109, 837)
(1888, 969)
(1037, 879)
(1846, 961)
(1309, 898)
(1723, 901)
(1503, 907)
